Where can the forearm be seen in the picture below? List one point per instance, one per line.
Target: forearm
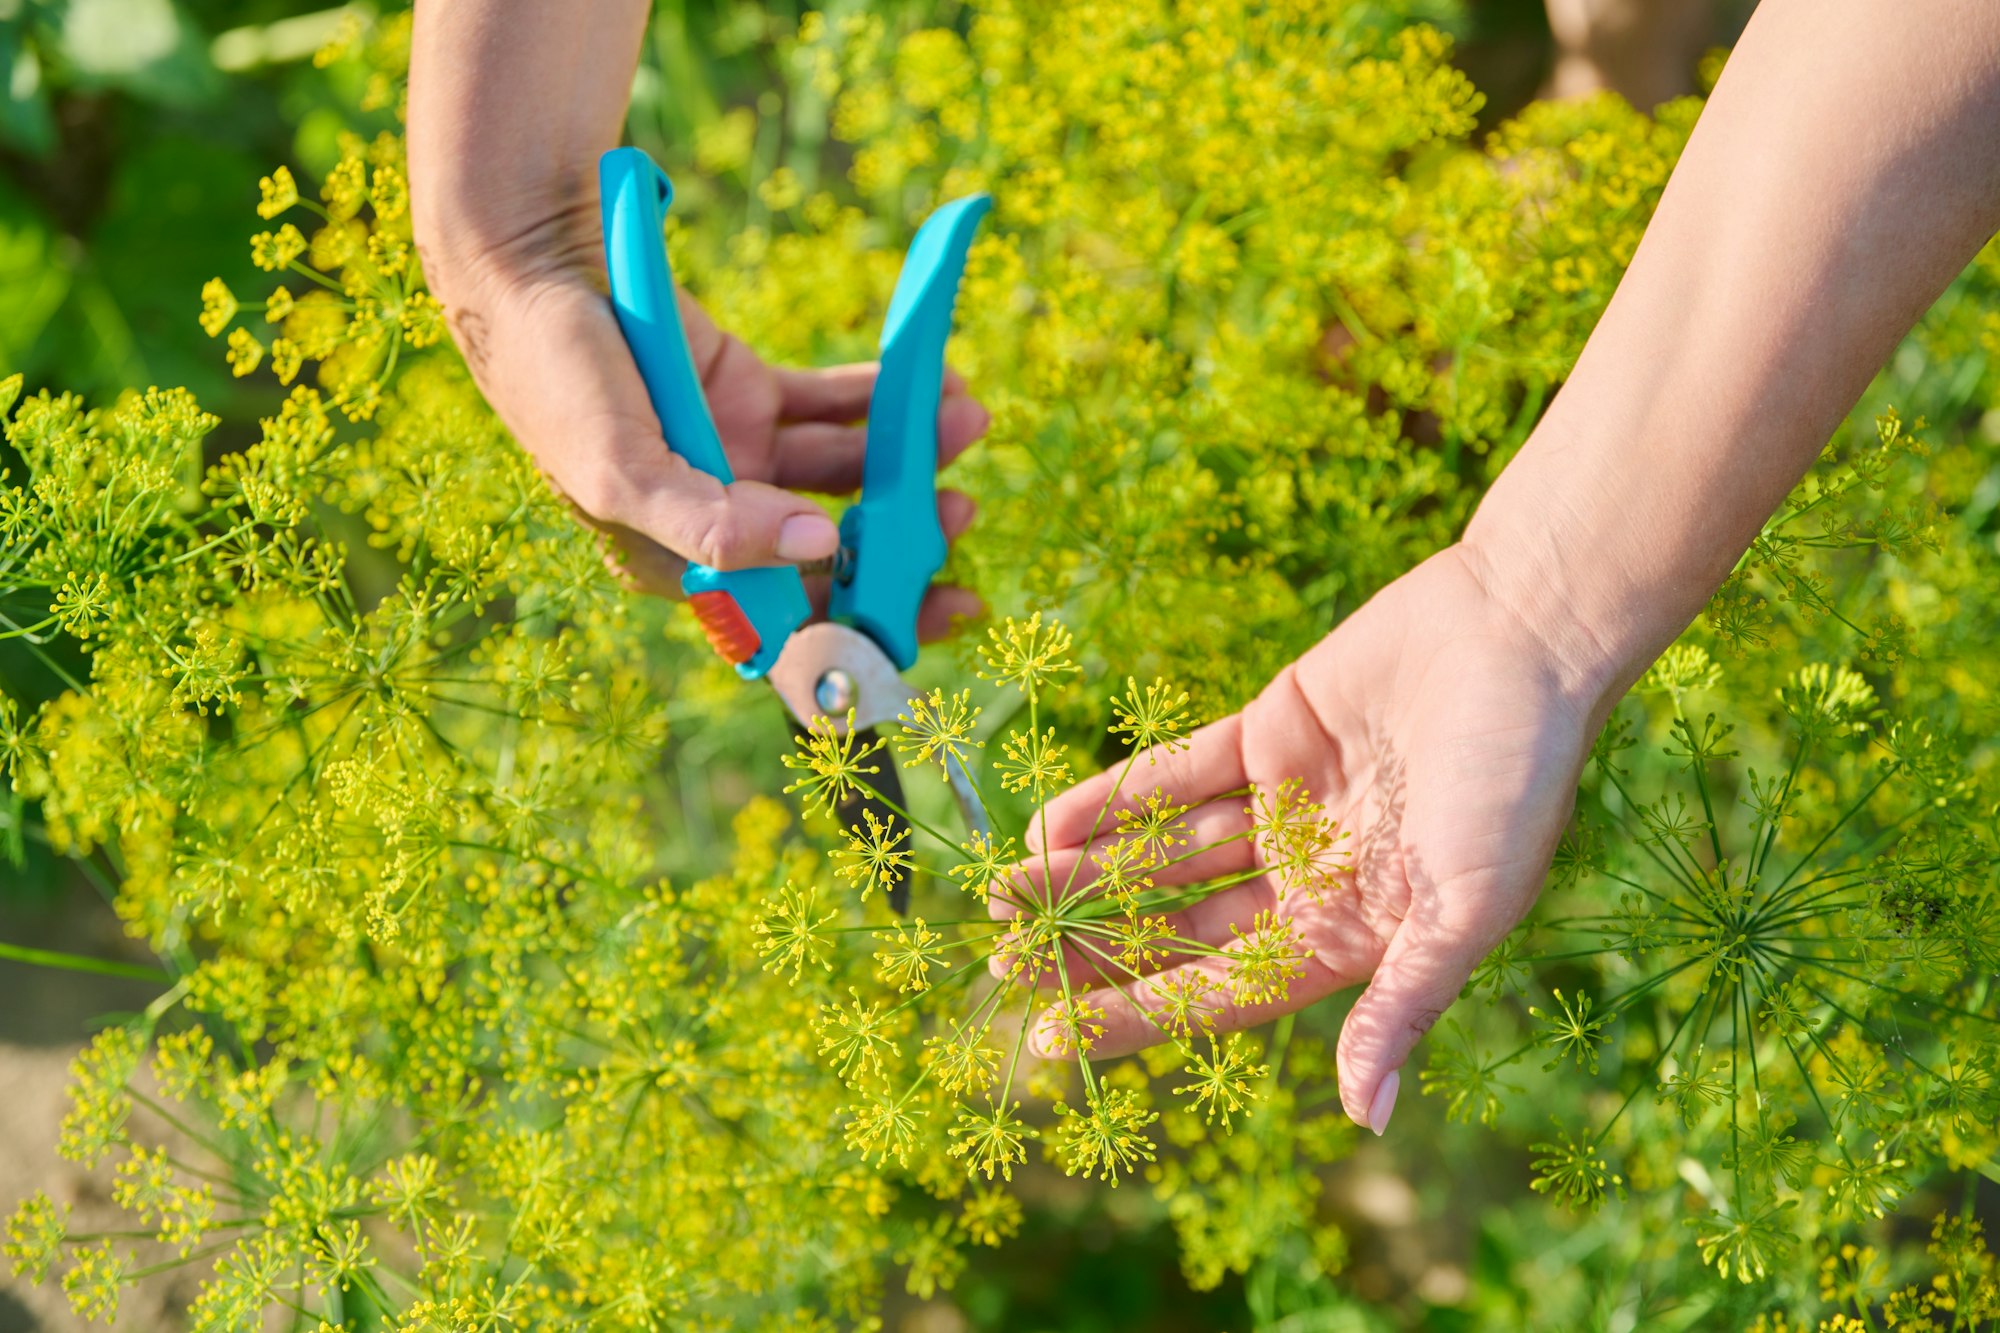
(1846, 168)
(511, 103)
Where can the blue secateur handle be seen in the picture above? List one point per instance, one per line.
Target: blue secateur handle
(891, 542)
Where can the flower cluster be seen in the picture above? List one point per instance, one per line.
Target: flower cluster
(938, 1060)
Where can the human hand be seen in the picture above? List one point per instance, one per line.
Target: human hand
(510, 109)
(1437, 727)
(542, 342)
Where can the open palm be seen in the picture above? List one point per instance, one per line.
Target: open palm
(1435, 726)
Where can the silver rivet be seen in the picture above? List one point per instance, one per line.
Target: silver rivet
(835, 691)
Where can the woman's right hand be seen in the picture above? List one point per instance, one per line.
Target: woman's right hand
(510, 109)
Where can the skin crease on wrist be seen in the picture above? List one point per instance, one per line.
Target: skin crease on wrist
(1844, 171)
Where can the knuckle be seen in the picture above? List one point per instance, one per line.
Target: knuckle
(600, 493)
(715, 537)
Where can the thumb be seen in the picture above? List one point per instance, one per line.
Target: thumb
(1424, 968)
(734, 526)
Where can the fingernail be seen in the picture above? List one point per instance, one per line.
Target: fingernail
(1384, 1104)
(807, 537)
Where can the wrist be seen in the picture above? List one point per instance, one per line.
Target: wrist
(486, 244)
(1583, 578)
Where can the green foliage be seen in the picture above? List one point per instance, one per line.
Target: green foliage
(466, 1024)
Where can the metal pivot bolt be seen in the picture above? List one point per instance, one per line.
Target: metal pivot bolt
(834, 691)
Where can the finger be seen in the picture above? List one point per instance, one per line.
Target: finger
(743, 524)
(1424, 968)
(944, 606)
(1137, 1013)
(1213, 844)
(640, 563)
(946, 612)
(1207, 764)
(962, 419)
(956, 510)
(826, 456)
(837, 393)
(819, 456)
(1216, 832)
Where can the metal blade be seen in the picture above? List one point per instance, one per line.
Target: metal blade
(827, 669)
(966, 792)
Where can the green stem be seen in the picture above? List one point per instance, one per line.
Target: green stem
(76, 962)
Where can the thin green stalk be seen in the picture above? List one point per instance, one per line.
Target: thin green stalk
(76, 962)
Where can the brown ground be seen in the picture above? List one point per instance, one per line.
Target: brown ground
(46, 1016)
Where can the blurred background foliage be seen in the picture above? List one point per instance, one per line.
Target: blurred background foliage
(131, 138)
(130, 127)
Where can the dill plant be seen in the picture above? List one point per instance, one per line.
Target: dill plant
(441, 1044)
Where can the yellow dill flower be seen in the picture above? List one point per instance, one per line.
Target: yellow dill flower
(1266, 959)
(1072, 1025)
(990, 1216)
(1027, 948)
(1155, 823)
(1298, 842)
(35, 1232)
(272, 251)
(908, 954)
(1107, 1136)
(1573, 1032)
(1140, 941)
(345, 189)
(246, 353)
(84, 603)
(1222, 1082)
(410, 1189)
(342, 1254)
(1155, 717)
(422, 320)
(286, 358)
(1185, 1003)
(725, 145)
(793, 936)
(1026, 653)
(1034, 762)
(780, 191)
(938, 728)
(830, 765)
(988, 862)
(1122, 870)
(278, 305)
(94, 1281)
(874, 855)
(882, 1127)
(218, 306)
(959, 1063)
(856, 1037)
(993, 1142)
(277, 192)
(388, 192)
(1827, 700)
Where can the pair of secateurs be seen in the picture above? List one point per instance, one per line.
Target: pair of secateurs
(891, 544)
